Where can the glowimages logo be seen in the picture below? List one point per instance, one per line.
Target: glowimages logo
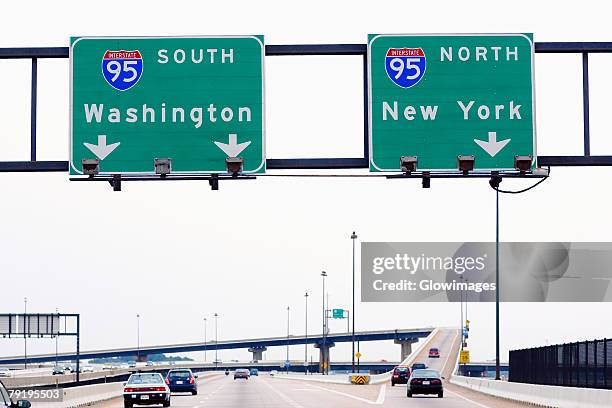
(451, 271)
(413, 264)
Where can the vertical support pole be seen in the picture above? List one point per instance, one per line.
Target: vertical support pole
(497, 368)
(366, 110)
(33, 103)
(585, 103)
(306, 335)
(78, 349)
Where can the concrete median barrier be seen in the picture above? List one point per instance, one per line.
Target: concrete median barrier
(538, 395)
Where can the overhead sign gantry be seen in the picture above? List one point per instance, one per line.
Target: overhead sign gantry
(436, 100)
(160, 105)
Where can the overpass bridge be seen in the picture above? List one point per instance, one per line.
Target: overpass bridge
(403, 337)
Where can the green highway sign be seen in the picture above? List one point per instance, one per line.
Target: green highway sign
(338, 313)
(438, 97)
(193, 100)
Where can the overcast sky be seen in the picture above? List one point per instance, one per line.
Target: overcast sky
(178, 252)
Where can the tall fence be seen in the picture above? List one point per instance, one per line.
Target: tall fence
(583, 364)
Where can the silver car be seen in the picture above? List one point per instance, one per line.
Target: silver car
(146, 389)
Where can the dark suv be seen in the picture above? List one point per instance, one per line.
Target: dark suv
(5, 400)
(182, 380)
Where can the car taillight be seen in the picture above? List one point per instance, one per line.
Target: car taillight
(167, 381)
(191, 380)
(127, 389)
(159, 389)
(415, 381)
(436, 382)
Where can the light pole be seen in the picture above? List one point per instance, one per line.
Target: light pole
(25, 331)
(287, 360)
(461, 308)
(306, 335)
(216, 342)
(323, 352)
(353, 238)
(138, 337)
(205, 348)
(497, 368)
(56, 337)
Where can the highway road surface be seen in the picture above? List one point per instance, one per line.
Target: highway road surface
(264, 391)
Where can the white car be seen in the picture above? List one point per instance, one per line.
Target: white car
(273, 373)
(146, 389)
(87, 369)
(124, 366)
(5, 372)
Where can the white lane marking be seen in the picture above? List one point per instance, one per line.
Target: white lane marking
(381, 394)
(478, 404)
(379, 401)
(283, 396)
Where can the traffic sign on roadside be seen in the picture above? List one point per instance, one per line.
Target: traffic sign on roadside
(437, 97)
(464, 356)
(358, 355)
(193, 100)
(338, 313)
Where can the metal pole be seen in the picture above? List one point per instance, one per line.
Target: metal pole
(56, 337)
(461, 303)
(287, 360)
(138, 337)
(216, 342)
(353, 238)
(497, 368)
(78, 349)
(26, 329)
(306, 336)
(348, 321)
(205, 346)
(33, 105)
(323, 275)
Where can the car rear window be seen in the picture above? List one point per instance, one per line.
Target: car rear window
(146, 379)
(433, 349)
(179, 374)
(401, 370)
(425, 373)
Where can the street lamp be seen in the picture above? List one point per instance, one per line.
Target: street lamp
(353, 238)
(25, 331)
(56, 337)
(306, 335)
(324, 362)
(205, 348)
(287, 360)
(216, 342)
(138, 337)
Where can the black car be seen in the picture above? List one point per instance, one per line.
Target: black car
(182, 380)
(425, 382)
(58, 370)
(7, 402)
(400, 375)
(419, 366)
